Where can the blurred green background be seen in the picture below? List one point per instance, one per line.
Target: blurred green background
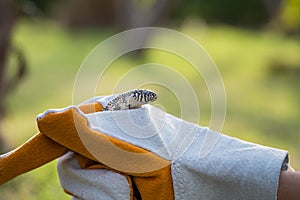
(254, 43)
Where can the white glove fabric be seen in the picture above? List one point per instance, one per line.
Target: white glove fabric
(93, 183)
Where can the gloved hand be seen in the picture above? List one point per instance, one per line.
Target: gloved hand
(150, 154)
(146, 153)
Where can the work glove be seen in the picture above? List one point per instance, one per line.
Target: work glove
(145, 153)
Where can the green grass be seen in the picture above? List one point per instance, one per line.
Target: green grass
(262, 107)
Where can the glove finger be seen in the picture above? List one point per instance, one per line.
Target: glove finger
(96, 183)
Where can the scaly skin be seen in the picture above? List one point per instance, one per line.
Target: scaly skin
(131, 99)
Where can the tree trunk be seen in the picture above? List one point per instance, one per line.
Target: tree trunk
(6, 23)
(7, 20)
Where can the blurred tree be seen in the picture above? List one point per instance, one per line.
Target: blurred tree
(7, 83)
(133, 14)
(247, 13)
(85, 13)
(120, 14)
(34, 7)
(272, 7)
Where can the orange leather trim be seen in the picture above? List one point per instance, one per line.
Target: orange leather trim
(91, 107)
(36, 152)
